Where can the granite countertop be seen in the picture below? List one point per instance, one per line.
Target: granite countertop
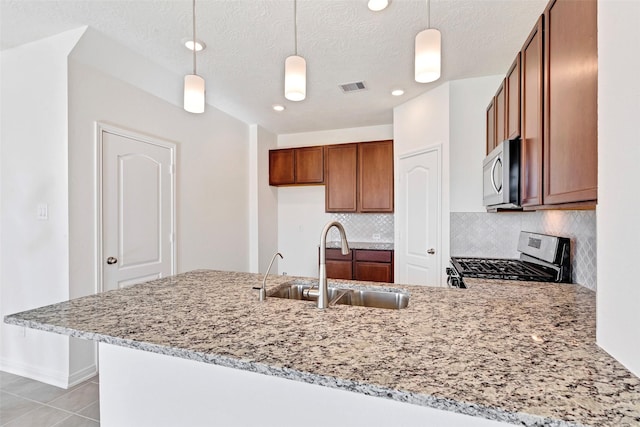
(520, 352)
(372, 246)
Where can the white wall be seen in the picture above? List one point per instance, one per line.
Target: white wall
(467, 129)
(51, 101)
(418, 124)
(35, 253)
(301, 215)
(263, 202)
(618, 176)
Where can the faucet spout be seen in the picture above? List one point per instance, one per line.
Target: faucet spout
(263, 290)
(323, 293)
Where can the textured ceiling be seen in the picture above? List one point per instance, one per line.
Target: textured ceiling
(248, 41)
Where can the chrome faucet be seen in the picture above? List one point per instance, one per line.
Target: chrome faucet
(263, 289)
(322, 292)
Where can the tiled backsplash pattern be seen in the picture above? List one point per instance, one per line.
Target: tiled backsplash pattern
(479, 234)
(363, 227)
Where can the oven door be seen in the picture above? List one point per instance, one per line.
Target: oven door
(501, 176)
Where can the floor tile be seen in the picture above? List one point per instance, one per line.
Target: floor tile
(6, 379)
(12, 407)
(34, 390)
(92, 411)
(77, 421)
(44, 416)
(78, 398)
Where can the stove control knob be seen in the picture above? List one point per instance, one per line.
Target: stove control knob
(431, 251)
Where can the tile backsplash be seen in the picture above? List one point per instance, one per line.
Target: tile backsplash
(479, 234)
(364, 227)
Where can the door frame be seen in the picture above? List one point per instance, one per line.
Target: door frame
(438, 149)
(100, 128)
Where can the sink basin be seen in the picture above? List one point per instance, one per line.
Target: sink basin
(345, 296)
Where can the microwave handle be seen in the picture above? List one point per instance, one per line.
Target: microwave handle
(493, 179)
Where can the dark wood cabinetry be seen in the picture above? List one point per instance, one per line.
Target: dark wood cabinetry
(570, 106)
(359, 177)
(360, 264)
(513, 100)
(553, 84)
(532, 112)
(296, 166)
(375, 177)
(341, 163)
(339, 266)
(491, 126)
(501, 108)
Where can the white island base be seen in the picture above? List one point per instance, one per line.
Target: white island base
(140, 388)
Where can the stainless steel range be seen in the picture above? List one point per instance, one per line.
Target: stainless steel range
(543, 258)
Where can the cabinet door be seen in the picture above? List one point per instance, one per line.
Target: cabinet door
(501, 110)
(375, 176)
(513, 99)
(373, 271)
(309, 165)
(491, 125)
(341, 163)
(570, 107)
(281, 167)
(532, 112)
(339, 269)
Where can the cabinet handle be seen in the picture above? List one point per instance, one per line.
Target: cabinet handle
(431, 251)
(112, 260)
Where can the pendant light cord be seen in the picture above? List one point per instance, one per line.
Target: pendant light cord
(295, 25)
(194, 37)
(428, 14)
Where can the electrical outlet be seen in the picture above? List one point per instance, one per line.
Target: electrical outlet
(376, 236)
(284, 273)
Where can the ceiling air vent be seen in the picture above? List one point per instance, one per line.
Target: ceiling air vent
(353, 87)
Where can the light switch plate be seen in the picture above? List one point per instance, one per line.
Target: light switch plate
(42, 212)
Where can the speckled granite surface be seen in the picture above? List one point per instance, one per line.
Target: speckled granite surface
(519, 352)
(373, 246)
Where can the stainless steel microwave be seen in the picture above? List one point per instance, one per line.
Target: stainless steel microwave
(501, 176)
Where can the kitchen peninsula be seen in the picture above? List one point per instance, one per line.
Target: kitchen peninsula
(515, 352)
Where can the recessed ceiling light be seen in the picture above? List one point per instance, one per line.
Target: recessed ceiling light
(188, 43)
(377, 5)
(397, 92)
(278, 107)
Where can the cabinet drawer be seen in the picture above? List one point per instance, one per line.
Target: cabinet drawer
(337, 254)
(339, 270)
(373, 272)
(375, 256)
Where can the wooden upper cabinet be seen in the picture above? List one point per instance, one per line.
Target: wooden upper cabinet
(359, 177)
(531, 63)
(282, 167)
(513, 100)
(501, 113)
(296, 166)
(309, 165)
(570, 106)
(341, 163)
(375, 176)
(491, 125)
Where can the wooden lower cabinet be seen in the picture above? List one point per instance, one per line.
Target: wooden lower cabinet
(360, 264)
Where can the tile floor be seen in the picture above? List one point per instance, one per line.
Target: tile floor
(28, 403)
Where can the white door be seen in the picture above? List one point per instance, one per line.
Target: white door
(137, 209)
(418, 249)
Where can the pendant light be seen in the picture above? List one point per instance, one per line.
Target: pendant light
(193, 83)
(295, 68)
(428, 53)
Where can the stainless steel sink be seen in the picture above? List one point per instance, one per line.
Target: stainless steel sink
(345, 296)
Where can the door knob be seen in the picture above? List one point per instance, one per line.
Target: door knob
(431, 251)
(112, 260)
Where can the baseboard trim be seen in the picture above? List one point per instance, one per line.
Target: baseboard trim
(48, 376)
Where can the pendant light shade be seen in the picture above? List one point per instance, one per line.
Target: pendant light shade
(295, 78)
(194, 93)
(428, 54)
(193, 83)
